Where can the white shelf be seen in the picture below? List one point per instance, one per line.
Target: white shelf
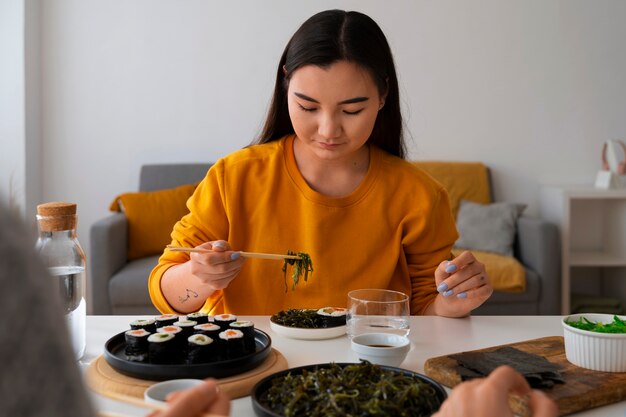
(592, 223)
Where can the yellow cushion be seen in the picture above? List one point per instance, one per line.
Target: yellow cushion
(505, 272)
(462, 180)
(151, 216)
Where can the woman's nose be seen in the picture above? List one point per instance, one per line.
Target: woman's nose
(329, 127)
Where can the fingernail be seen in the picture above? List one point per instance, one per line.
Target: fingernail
(442, 287)
(220, 244)
(234, 255)
(450, 268)
(461, 295)
(448, 293)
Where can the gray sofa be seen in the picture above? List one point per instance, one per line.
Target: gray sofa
(118, 286)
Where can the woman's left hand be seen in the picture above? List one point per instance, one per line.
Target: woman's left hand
(463, 285)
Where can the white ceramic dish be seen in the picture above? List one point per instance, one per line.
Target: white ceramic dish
(381, 348)
(308, 334)
(593, 350)
(158, 392)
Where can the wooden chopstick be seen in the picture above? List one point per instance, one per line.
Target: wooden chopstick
(138, 403)
(246, 254)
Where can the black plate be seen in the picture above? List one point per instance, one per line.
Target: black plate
(263, 385)
(115, 356)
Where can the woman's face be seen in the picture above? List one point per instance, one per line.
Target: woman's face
(333, 109)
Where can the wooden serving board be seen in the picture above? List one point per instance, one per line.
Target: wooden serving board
(106, 381)
(583, 388)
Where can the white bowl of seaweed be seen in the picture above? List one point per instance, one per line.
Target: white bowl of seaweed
(596, 341)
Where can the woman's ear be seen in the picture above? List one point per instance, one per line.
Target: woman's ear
(383, 96)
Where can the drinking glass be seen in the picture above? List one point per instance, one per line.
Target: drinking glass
(377, 311)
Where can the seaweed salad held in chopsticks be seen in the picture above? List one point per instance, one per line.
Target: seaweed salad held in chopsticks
(301, 268)
(360, 389)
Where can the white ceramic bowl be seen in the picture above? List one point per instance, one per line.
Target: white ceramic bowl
(598, 351)
(158, 392)
(381, 348)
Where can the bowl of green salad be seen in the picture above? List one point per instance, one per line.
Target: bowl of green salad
(596, 341)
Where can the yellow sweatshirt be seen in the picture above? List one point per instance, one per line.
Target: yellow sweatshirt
(391, 232)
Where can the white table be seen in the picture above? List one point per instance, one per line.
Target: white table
(430, 337)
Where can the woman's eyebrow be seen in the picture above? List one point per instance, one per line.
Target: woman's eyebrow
(347, 101)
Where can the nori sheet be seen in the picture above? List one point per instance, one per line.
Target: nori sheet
(538, 371)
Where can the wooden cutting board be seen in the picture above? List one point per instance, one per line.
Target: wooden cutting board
(106, 381)
(583, 388)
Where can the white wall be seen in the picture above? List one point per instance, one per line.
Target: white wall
(12, 123)
(532, 88)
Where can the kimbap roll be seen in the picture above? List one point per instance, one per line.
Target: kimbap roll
(161, 348)
(148, 325)
(247, 328)
(332, 316)
(179, 342)
(166, 320)
(186, 327)
(224, 320)
(232, 343)
(208, 329)
(198, 317)
(200, 349)
(136, 349)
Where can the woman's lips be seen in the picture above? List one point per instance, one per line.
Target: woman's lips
(330, 146)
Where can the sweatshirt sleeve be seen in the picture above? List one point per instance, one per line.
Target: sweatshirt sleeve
(428, 244)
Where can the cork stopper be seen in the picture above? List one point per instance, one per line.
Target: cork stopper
(56, 216)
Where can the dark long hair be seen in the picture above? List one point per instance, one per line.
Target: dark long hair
(328, 37)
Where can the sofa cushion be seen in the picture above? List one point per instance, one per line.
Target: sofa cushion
(506, 273)
(463, 180)
(129, 286)
(488, 227)
(151, 216)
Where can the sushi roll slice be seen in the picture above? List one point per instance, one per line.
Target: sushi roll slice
(166, 320)
(198, 317)
(232, 343)
(136, 349)
(208, 329)
(148, 325)
(179, 342)
(161, 348)
(224, 320)
(247, 328)
(332, 316)
(186, 327)
(200, 349)
(174, 330)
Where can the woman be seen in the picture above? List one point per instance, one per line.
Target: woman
(327, 177)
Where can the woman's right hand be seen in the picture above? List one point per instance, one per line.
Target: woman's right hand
(218, 267)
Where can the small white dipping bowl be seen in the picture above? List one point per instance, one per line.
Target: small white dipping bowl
(604, 352)
(381, 348)
(158, 392)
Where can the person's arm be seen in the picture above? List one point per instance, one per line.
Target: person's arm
(187, 286)
(201, 399)
(488, 397)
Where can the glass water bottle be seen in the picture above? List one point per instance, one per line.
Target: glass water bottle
(61, 253)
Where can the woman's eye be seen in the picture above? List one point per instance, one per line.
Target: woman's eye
(306, 108)
(352, 113)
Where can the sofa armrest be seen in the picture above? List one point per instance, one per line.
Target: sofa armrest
(108, 244)
(538, 248)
